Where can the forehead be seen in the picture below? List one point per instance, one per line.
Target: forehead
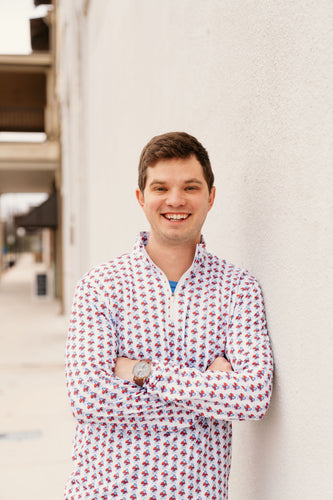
(175, 169)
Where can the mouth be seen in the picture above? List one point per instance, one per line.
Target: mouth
(176, 217)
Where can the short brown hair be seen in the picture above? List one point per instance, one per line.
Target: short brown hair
(173, 145)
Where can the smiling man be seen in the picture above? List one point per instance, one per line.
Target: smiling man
(167, 346)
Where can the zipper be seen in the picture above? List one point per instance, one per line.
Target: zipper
(172, 294)
(173, 301)
(172, 307)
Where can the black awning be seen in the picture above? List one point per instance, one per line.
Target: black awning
(39, 34)
(46, 215)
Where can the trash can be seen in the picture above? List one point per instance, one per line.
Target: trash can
(41, 285)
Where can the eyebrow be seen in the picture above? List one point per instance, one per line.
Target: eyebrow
(153, 182)
(189, 181)
(193, 181)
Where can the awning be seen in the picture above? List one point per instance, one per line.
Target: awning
(46, 215)
(39, 34)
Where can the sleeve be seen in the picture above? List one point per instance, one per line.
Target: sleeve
(96, 395)
(238, 395)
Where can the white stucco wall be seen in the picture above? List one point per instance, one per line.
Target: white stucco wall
(254, 82)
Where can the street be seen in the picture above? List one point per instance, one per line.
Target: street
(36, 425)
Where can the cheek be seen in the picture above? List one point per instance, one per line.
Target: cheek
(150, 208)
(153, 204)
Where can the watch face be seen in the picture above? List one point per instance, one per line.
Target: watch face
(141, 369)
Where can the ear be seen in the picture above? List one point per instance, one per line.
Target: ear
(140, 197)
(211, 197)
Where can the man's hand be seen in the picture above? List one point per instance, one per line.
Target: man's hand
(124, 368)
(220, 364)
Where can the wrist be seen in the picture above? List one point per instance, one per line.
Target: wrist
(124, 368)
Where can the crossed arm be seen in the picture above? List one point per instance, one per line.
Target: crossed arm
(101, 388)
(124, 367)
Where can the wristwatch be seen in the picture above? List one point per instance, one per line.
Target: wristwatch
(141, 371)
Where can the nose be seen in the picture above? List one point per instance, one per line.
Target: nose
(175, 198)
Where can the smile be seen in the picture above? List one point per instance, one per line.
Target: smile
(176, 217)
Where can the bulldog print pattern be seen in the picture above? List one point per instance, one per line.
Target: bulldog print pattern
(171, 438)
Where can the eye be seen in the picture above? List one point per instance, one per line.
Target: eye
(191, 188)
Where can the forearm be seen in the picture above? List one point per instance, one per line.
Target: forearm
(95, 393)
(213, 394)
(216, 393)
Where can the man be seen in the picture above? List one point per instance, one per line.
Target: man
(167, 345)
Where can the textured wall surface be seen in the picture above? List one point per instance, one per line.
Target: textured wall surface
(254, 82)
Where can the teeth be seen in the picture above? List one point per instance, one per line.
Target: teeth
(176, 216)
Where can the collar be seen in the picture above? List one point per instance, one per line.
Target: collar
(142, 240)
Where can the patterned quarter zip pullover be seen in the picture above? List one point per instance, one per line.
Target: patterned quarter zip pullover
(171, 438)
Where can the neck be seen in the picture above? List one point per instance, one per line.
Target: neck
(173, 260)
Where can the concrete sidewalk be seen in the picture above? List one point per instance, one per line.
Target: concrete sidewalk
(36, 425)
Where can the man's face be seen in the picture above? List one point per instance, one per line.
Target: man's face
(176, 200)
